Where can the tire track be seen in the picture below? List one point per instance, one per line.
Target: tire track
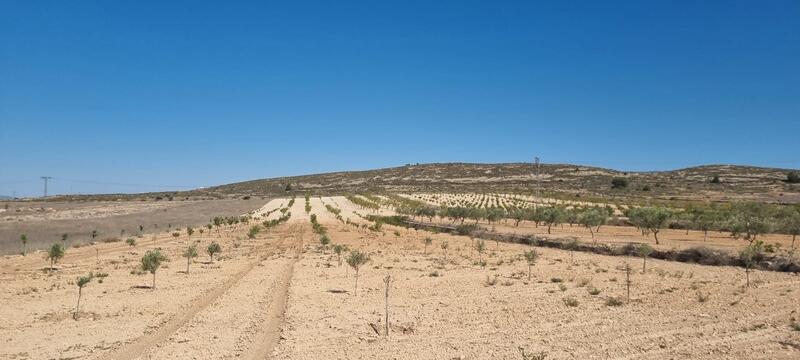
(137, 347)
(269, 334)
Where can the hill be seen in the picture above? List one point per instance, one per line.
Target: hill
(695, 183)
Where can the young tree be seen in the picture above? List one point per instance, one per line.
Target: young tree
(628, 280)
(338, 250)
(750, 256)
(480, 246)
(141, 229)
(427, 241)
(444, 245)
(530, 257)
(151, 261)
(94, 234)
(64, 237)
(55, 253)
(81, 282)
(750, 220)
(644, 251)
(189, 230)
(356, 260)
(189, 254)
(387, 281)
(131, 242)
(212, 249)
(570, 246)
(24, 239)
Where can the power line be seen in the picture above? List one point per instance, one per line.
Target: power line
(124, 184)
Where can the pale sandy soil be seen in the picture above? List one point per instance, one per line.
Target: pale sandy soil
(271, 297)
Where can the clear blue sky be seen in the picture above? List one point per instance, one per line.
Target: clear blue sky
(191, 93)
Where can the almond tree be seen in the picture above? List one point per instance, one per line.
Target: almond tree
(356, 260)
(81, 282)
(650, 219)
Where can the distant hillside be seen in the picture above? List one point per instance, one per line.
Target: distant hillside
(735, 182)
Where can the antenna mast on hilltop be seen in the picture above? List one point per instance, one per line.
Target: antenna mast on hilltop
(538, 182)
(45, 178)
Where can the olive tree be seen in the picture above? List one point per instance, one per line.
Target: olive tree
(338, 250)
(593, 218)
(151, 262)
(356, 260)
(530, 257)
(81, 282)
(750, 256)
(427, 241)
(644, 251)
(55, 253)
(190, 253)
(213, 248)
(552, 216)
(24, 239)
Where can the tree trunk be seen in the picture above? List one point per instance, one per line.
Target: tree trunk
(154, 281)
(188, 259)
(655, 235)
(355, 292)
(747, 275)
(705, 235)
(793, 237)
(78, 307)
(386, 308)
(529, 272)
(548, 228)
(644, 264)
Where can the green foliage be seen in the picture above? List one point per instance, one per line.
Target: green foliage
(131, 242)
(356, 260)
(190, 253)
(619, 183)
(750, 220)
(650, 219)
(254, 230)
(213, 248)
(55, 253)
(324, 240)
(151, 262)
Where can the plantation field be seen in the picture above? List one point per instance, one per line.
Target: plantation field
(46, 222)
(278, 292)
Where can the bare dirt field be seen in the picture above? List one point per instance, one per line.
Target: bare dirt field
(45, 222)
(283, 295)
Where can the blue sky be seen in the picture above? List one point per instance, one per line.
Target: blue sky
(139, 96)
